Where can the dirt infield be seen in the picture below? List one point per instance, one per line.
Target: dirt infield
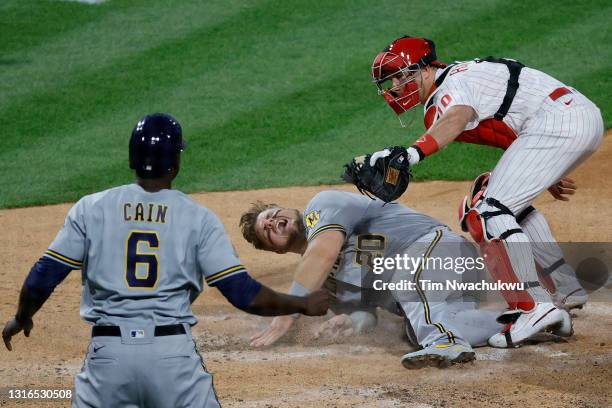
(304, 372)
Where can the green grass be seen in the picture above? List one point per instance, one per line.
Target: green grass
(269, 93)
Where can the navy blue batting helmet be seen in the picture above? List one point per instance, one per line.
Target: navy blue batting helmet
(156, 145)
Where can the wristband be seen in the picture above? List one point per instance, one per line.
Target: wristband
(426, 146)
(297, 289)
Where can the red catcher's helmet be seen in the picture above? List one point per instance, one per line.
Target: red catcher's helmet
(402, 60)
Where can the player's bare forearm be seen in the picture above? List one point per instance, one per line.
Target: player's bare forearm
(271, 303)
(28, 304)
(318, 259)
(316, 263)
(451, 124)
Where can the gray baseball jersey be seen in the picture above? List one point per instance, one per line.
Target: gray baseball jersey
(143, 255)
(373, 229)
(144, 258)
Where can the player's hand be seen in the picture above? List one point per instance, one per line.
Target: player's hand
(13, 327)
(277, 329)
(317, 302)
(564, 187)
(337, 327)
(378, 155)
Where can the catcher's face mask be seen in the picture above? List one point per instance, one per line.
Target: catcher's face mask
(396, 71)
(399, 85)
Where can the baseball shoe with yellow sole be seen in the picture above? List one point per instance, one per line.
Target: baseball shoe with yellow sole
(439, 355)
(574, 299)
(545, 317)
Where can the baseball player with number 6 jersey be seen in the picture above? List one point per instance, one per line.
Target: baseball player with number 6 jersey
(145, 250)
(546, 129)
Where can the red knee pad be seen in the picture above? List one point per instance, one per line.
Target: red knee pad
(496, 258)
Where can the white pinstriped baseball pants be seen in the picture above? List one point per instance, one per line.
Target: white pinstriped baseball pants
(559, 137)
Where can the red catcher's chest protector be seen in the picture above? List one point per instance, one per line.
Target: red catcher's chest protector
(494, 131)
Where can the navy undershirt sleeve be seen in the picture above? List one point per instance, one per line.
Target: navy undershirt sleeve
(239, 290)
(44, 276)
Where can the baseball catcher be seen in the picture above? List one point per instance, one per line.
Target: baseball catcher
(546, 130)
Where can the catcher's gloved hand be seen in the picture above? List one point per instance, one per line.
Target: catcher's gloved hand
(384, 174)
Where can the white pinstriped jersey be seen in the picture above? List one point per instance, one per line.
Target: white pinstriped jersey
(143, 255)
(482, 86)
(548, 131)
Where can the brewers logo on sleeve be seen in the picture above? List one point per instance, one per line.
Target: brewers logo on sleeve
(312, 219)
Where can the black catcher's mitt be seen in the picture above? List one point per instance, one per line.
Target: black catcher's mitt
(387, 179)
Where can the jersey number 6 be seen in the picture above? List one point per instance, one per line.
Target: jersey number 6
(149, 261)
